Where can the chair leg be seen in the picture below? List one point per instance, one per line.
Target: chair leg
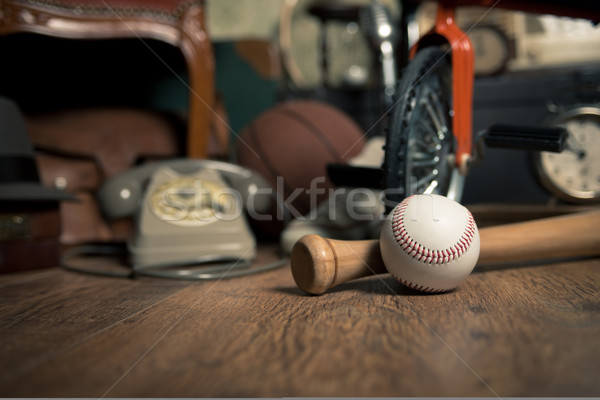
(197, 50)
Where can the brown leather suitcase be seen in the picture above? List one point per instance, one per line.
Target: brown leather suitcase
(29, 236)
(76, 150)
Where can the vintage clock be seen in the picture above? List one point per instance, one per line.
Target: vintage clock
(492, 49)
(574, 174)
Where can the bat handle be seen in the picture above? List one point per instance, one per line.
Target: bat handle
(318, 264)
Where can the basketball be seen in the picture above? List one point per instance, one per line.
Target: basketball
(291, 144)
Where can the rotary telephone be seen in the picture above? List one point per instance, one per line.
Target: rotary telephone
(187, 213)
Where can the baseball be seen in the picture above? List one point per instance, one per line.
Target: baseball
(430, 243)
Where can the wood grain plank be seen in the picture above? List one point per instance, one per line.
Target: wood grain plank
(341, 345)
(527, 331)
(43, 317)
(509, 341)
(94, 365)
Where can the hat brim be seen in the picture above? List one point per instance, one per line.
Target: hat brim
(30, 191)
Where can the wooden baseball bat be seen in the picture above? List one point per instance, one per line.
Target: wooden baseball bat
(318, 264)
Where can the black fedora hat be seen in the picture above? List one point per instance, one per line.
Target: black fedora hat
(19, 176)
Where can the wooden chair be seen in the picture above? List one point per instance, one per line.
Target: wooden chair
(180, 23)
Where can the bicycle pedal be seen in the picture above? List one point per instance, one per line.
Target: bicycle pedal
(523, 137)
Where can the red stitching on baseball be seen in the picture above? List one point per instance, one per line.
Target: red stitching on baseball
(419, 287)
(423, 254)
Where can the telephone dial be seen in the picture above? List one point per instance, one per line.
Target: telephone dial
(189, 218)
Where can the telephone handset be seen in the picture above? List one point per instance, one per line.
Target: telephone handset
(121, 195)
(188, 213)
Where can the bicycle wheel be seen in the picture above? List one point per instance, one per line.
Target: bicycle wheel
(419, 152)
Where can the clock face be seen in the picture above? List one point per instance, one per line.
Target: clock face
(189, 201)
(491, 49)
(574, 174)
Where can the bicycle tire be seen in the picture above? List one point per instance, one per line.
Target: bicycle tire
(419, 151)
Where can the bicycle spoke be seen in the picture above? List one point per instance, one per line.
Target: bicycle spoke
(436, 122)
(425, 162)
(431, 188)
(427, 179)
(439, 107)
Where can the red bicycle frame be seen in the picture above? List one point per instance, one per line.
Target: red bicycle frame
(447, 31)
(463, 59)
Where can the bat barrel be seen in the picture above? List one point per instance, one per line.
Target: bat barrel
(573, 235)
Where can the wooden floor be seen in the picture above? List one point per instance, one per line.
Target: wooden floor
(526, 330)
